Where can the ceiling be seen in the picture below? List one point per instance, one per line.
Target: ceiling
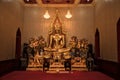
(57, 3)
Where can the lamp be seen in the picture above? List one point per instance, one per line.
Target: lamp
(68, 15)
(46, 15)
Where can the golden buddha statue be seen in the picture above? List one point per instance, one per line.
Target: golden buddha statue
(57, 40)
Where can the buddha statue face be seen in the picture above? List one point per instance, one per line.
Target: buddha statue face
(57, 27)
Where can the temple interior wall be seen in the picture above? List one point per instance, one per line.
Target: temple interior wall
(107, 14)
(11, 17)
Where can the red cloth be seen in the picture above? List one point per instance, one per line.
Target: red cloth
(38, 75)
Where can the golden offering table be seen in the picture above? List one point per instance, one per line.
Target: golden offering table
(57, 66)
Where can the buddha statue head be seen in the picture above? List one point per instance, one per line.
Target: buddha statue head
(57, 26)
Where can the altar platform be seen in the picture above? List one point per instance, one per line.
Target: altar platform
(56, 54)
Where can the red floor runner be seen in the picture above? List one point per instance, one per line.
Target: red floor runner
(37, 75)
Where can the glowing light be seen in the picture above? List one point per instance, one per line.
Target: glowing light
(68, 15)
(46, 15)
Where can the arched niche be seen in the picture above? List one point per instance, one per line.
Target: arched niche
(97, 44)
(18, 44)
(118, 39)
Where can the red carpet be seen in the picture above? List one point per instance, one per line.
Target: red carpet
(37, 75)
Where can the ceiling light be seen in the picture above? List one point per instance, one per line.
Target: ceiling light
(88, 0)
(68, 15)
(46, 15)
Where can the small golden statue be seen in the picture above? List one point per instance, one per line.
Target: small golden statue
(73, 42)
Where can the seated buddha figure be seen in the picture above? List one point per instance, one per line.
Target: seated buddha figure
(57, 38)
